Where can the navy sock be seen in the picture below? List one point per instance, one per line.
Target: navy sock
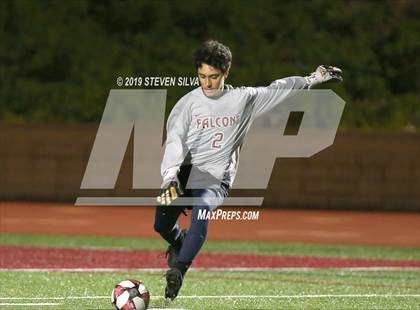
(183, 267)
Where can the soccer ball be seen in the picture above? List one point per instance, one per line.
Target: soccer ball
(130, 295)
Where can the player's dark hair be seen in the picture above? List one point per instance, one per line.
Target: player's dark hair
(214, 54)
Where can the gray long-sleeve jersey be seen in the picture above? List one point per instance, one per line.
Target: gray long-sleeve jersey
(213, 129)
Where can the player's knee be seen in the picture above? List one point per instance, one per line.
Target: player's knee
(200, 230)
(161, 229)
(164, 230)
(198, 236)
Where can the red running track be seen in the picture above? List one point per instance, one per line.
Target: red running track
(57, 258)
(297, 226)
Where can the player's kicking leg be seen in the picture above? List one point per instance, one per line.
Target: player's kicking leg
(166, 224)
(192, 242)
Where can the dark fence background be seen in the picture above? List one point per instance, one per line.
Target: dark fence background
(377, 171)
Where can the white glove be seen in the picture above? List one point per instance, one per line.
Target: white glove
(324, 74)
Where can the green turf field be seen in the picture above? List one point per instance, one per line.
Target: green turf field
(273, 289)
(323, 289)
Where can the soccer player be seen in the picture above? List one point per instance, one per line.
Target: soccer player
(205, 131)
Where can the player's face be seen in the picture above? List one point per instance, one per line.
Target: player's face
(211, 79)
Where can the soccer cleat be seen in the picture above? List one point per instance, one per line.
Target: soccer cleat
(173, 283)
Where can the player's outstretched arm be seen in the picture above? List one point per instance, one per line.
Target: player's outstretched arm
(170, 190)
(323, 74)
(265, 98)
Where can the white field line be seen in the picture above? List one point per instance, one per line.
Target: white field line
(30, 304)
(298, 296)
(56, 298)
(230, 296)
(266, 269)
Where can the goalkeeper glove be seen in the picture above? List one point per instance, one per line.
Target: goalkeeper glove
(170, 191)
(324, 74)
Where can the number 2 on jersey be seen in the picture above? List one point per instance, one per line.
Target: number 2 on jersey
(218, 137)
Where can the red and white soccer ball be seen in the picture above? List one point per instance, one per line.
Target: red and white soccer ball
(130, 295)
